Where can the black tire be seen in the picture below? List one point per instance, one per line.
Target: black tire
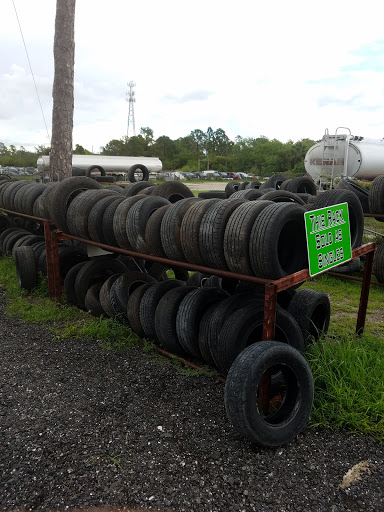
(356, 214)
(197, 279)
(79, 209)
(266, 190)
(149, 303)
(92, 301)
(121, 290)
(11, 239)
(101, 170)
(137, 188)
(137, 218)
(4, 234)
(274, 182)
(212, 229)
(95, 217)
(378, 263)
(284, 185)
(275, 427)
(243, 185)
(104, 179)
(376, 197)
(104, 295)
(277, 242)
(11, 193)
(108, 236)
(30, 197)
(312, 311)
(282, 196)
(218, 194)
(18, 198)
(4, 189)
(38, 248)
(70, 255)
(133, 309)
(76, 171)
(63, 194)
(41, 205)
(255, 184)
(152, 234)
(189, 314)
(232, 187)
(26, 268)
(348, 268)
(138, 167)
(301, 184)
(21, 241)
(209, 334)
(120, 221)
(93, 271)
(190, 230)
(360, 191)
(173, 191)
(237, 233)
(245, 327)
(5, 222)
(69, 281)
(165, 319)
(159, 271)
(171, 226)
(249, 194)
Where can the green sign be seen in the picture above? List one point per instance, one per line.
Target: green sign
(328, 237)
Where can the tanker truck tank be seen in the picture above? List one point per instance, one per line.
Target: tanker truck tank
(345, 155)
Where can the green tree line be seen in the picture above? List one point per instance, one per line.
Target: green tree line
(198, 151)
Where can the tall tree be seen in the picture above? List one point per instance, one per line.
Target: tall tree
(199, 139)
(62, 112)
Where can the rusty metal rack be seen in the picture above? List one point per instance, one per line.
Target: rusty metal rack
(272, 287)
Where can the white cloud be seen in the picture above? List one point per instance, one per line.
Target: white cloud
(286, 70)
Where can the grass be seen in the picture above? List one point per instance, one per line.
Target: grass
(349, 387)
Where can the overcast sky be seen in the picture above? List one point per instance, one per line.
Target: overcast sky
(285, 70)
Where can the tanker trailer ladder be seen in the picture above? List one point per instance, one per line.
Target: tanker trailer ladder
(330, 146)
(346, 139)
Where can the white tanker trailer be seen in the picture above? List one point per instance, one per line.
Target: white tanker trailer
(110, 164)
(345, 155)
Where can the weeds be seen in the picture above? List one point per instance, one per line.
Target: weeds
(349, 387)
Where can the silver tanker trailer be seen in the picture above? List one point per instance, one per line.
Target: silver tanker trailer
(345, 155)
(108, 164)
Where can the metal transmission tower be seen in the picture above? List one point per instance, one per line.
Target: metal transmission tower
(131, 114)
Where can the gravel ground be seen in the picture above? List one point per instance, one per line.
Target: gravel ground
(82, 427)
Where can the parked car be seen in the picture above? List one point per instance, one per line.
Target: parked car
(210, 174)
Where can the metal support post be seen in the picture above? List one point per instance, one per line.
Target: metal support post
(52, 258)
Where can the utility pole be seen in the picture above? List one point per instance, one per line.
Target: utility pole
(62, 113)
(131, 100)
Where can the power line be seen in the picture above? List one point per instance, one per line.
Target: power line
(131, 100)
(30, 67)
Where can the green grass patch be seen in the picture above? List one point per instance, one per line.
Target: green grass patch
(344, 295)
(64, 320)
(349, 386)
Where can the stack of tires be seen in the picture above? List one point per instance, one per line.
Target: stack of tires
(206, 318)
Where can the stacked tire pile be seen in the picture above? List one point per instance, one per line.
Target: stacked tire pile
(376, 205)
(202, 317)
(372, 201)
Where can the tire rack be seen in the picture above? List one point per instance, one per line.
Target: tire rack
(272, 287)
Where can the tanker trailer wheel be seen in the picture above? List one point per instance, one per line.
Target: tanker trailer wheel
(89, 172)
(287, 411)
(138, 172)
